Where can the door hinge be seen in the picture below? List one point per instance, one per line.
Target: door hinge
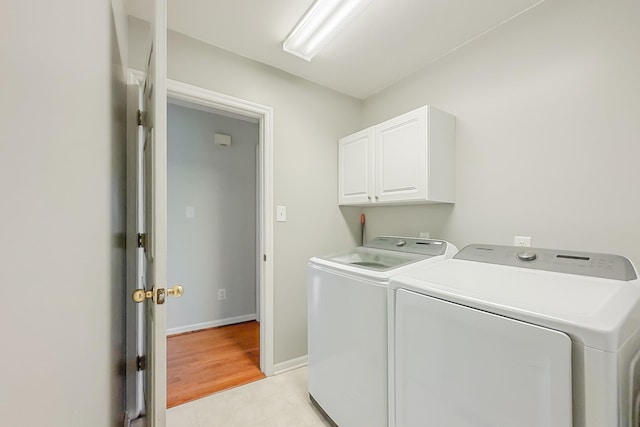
(141, 363)
(141, 118)
(142, 240)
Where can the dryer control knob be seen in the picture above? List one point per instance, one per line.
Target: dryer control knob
(400, 243)
(527, 256)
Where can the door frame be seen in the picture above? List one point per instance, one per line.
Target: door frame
(264, 114)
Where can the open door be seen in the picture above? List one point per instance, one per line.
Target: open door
(152, 237)
(135, 345)
(154, 121)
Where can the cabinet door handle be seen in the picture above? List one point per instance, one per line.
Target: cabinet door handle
(369, 197)
(377, 197)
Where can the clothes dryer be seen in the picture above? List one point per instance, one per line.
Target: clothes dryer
(508, 336)
(347, 308)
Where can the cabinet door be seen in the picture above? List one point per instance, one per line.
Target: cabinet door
(401, 158)
(355, 168)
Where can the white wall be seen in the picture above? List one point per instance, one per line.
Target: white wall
(308, 120)
(548, 122)
(62, 140)
(217, 248)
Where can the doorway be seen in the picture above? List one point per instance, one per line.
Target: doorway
(203, 98)
(212, 237)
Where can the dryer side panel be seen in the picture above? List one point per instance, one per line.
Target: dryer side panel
(458, 366)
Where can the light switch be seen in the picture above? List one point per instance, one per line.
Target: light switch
(191, 212)
(281, 213)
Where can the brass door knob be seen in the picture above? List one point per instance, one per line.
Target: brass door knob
(177, 291)
(139, 295)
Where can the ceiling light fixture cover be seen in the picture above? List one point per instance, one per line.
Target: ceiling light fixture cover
(322, 22)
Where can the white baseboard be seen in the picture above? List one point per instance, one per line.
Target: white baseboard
(212, 324)
(289, 365)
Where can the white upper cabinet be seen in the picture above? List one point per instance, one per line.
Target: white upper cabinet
(409, 159)
(356, 167)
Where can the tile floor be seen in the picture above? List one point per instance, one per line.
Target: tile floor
(278, 401)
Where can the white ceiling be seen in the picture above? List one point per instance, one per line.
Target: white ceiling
(390, 40)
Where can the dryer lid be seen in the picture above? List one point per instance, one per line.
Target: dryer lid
(599, 312)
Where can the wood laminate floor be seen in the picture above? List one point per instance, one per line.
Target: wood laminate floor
(204, 362)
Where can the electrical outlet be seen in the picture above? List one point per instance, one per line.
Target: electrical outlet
(522, 241)
(222, 294)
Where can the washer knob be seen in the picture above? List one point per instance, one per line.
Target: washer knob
(400, 243)
(527, 256)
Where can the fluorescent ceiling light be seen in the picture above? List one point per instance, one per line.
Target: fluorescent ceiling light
(322, 22)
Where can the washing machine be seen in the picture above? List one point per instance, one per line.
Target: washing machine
(501, 336)
(347, 335)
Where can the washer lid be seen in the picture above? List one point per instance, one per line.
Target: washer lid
(384, 256)
(375, 259)
(386, 252)
(599, 312)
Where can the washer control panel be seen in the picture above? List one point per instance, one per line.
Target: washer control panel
(604, 266)
(409, 244)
